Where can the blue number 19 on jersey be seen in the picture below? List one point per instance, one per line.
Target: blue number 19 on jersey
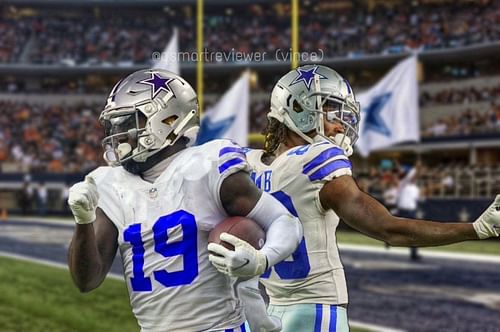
(187, 247)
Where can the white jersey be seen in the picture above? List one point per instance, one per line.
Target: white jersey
(314, 273)
(163, 236)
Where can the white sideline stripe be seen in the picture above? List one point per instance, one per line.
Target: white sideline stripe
(43, 220)
(49, 263)
(424, 253)
(372, 327)
(349, 247)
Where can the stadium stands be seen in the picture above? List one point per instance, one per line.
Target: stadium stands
(58, 64)
(66, 37)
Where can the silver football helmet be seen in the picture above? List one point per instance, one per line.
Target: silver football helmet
(305, 96)
(146, 112)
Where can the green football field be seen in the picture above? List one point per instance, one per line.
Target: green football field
(38, 298)
(35, 297)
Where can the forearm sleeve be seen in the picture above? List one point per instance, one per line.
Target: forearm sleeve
(283, 231)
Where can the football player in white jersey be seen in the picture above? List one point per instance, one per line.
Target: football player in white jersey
(158, 202)
(313, 125)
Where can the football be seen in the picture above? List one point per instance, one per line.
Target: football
(244, 228)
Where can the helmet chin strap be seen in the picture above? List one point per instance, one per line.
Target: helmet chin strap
(123, 149)
(191, 134)
(344, 142)
(341, 140)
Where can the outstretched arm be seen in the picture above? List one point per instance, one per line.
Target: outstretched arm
(94, 243)
(362, 212)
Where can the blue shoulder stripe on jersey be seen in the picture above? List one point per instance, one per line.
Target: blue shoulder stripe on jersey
(230, 163)
(333, 318)
(319, 317)
(285, 200)
(230, 149)
(246, 150)
(329, 168)
(321, 158)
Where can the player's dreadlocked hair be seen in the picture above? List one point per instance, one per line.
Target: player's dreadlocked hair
(275, 133)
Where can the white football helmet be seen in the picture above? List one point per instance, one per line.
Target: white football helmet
(146, 112)
(305, 96)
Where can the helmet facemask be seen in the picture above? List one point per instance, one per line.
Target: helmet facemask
(335, 110)
(123, 132)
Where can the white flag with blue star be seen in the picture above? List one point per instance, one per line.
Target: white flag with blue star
(228, 118)
(389, 110)
(169, 59)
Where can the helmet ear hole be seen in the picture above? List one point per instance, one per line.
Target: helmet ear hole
(170, 120)
(296, 107)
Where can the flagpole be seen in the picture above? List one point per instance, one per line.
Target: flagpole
(199, 49)
(295, 33)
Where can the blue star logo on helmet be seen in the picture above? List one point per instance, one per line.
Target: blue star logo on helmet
(306, 76)
(158, 84)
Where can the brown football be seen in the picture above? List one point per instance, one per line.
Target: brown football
(244, 228)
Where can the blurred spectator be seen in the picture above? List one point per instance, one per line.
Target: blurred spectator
(41, 198)
(390, 198)
(390, 195)
(25, 198)
(407, 203)
(64, 194)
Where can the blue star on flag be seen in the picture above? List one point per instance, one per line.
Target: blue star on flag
(213, 129)
(372, 115)
(158, 84)
(306, 76)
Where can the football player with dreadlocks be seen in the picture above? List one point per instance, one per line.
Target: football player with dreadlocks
(157, 204)
(313, 125)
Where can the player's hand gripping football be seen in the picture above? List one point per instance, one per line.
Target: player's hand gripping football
(244, 261)
(488, 224)
(82, 201)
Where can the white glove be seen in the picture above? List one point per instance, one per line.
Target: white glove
(82, 200)
(488, 224)
(255, 307)
(244, 261)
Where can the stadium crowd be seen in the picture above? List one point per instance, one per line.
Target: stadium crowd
(467, 123)
(67, 138)
(64, 138)
(130, 39)
(450, 179)
(465, 95)
(13, 38)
